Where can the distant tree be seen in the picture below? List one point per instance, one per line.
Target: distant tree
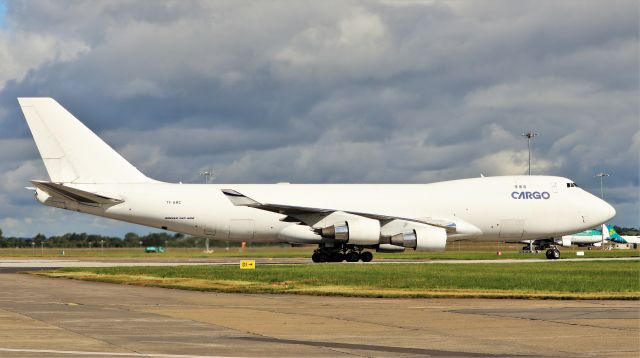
(155, 239)
(630, 231)
(39, 238)
(131, 239)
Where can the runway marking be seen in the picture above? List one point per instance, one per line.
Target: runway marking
(86, 353)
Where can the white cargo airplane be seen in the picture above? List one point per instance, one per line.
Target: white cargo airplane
(88, 176)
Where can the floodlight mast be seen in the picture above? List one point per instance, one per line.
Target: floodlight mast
(206, 174)
(601, 175)
(530, 135)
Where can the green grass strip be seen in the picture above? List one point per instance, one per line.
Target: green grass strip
(553, 279)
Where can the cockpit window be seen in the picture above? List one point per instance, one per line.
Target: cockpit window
(572, 185)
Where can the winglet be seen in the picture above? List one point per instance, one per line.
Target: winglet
(239, 199)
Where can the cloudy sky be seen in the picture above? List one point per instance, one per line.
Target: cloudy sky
(326, 92)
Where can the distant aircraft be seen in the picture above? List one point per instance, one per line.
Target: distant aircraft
(344, 220)
(632, 240)
(589, 238)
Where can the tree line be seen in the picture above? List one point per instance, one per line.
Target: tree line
(83, 240)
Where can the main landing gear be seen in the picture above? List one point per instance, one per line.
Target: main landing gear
(552, 253)
(349, 253)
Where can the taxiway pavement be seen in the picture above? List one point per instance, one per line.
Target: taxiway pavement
(44, 317)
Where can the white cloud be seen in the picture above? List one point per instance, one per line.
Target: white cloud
(21, 51)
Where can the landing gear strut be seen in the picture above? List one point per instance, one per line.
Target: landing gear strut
(349, 253)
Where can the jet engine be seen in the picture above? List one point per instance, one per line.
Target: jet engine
(388, 248)
(360, 231)
(421, 238)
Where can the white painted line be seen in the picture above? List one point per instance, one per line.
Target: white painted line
(85, 353)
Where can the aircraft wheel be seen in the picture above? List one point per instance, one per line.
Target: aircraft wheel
(336, 256)
(553, 254)
(319, 257)
(353, 256)
(366, 256)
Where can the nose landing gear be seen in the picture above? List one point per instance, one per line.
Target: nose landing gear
(553, 253)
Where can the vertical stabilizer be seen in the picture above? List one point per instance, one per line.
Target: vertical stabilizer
(614, 236)
(605, 233)
(71, 152)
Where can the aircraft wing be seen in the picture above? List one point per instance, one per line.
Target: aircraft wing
(309, 216)
(73, 194)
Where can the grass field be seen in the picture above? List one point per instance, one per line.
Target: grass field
(557, 280)
(466, 252)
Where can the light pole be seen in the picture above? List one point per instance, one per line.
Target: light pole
(529, 135)
(207, 174)
(602, 175)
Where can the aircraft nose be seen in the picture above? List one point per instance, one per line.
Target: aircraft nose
(610, 211)
(603, 211)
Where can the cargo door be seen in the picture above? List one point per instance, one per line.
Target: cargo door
(241, 229)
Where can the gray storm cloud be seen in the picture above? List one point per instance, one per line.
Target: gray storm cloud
(343, 91)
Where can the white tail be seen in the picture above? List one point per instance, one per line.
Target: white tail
(605, 232)
(71, 152)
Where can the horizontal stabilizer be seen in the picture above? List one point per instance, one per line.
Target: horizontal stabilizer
(77, 195)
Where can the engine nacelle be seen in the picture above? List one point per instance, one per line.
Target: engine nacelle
(361, 231)
(565, 242)
(389, 248)
(422, 238)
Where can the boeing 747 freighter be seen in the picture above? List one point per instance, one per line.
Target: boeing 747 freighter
(345, 220)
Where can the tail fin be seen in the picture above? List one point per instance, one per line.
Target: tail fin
(71, 152)
(614, 236)
(606, 232)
